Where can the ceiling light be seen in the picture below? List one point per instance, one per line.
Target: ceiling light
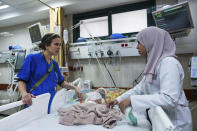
(6, 34)
(4, 6)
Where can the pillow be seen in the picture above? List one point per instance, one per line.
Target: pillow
(113, 93)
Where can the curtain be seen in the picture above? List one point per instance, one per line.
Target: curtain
(57, 25)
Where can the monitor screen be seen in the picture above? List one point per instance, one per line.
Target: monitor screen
(175, 18)
(35, 33)
(19, 60)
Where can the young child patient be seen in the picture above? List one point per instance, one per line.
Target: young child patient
(92, 111)
(97, 97)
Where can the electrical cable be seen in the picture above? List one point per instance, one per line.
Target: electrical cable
(193, 108)
(109, 74)
(79, 66)
(118, 55)
(101, 68)
(76, 25)
(136, 80)
(10, 91)
(107, 69)
(46, 5)
(97, 39)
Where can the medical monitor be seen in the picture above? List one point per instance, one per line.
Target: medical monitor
(20, 58)
(35, 32)
(175, 18)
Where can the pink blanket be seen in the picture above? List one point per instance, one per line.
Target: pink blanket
(89, 113)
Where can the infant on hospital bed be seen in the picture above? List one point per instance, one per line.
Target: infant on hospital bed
(92, 111)
(97, 97)
(129, 117)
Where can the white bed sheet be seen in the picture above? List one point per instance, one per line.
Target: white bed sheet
(50, 123)
(35, 118)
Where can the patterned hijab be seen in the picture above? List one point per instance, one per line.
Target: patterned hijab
(158, 44)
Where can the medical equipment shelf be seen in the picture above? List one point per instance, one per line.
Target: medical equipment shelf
(8, 56)
(104, 48)
(103, 41)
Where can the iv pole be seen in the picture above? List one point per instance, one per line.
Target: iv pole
(77, 25)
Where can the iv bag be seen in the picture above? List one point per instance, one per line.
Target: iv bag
(65, 36)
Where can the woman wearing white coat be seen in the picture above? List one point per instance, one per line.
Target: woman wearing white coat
(162, 84)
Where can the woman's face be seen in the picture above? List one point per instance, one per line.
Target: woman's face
(54, 48)
(141, 49)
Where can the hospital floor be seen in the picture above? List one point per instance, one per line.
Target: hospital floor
(1, 117)
(193, 106)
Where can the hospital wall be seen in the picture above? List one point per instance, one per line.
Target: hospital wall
(131, 67)
(123, 74)
(20, 37)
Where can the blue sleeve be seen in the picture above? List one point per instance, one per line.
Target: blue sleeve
(25, 70)
(60, 77)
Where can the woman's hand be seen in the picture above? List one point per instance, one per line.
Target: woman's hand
(79, 94)
(112, 104)
(27, 98)
(124, 104)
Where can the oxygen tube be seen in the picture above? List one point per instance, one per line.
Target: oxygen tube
(131, 118)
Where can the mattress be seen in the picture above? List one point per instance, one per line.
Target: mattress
(50, 123)
(35, 118)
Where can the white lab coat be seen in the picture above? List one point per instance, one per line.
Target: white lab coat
(165, 91)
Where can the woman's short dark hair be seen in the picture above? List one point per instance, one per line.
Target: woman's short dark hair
(47, 40)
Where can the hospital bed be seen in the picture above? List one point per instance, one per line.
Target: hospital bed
(35, 118)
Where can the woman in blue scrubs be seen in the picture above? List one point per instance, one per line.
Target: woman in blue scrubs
(36, 66)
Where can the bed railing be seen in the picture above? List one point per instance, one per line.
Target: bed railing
(159, 120)
(38, 109)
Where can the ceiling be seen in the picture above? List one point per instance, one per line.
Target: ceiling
(23, 11)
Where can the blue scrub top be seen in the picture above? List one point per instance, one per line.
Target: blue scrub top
(34, 68)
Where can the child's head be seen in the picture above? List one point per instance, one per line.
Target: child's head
(102, 92)
(96, 97)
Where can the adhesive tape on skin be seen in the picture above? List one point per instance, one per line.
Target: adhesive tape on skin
(93, 96)
(102, 91)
